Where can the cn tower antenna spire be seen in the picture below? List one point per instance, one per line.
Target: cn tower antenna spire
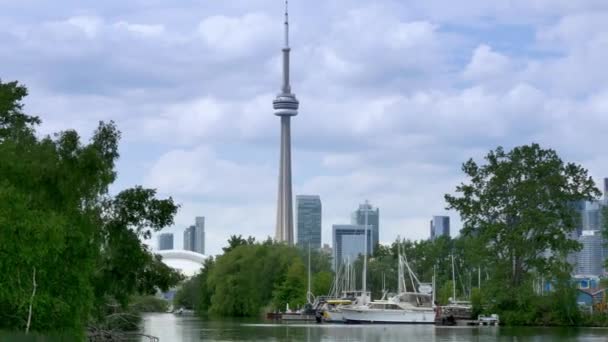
(287, 23)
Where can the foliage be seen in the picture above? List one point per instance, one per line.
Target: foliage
(293, 289)
(517, 214)
(149, 303)
(518, 205)
(445, 292)
(251, 276)
(60, 226)
(477, 302)
(242, 280)
(237, 240)
(188, 295)
(321, 283)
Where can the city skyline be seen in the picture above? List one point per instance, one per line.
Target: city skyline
(396, 95)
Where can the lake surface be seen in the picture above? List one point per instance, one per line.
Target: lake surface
(171, 328)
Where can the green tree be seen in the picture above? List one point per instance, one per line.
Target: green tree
(188, 295)
(242, 280)
(66, 245)
(517, 206)
(445, 292)
(321, 283)
(237, 240)
(293, 290)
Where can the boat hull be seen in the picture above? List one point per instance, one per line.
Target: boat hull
(333, 316)
(389, 316)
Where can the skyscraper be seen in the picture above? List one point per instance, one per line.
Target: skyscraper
(165, 241)
(199, 245)
(349, 242)
(440, 226)
(308, 218)
(373, 220)
(590, 259)
(606, 190)
(194, 236)
(189, 238)
(285, 106)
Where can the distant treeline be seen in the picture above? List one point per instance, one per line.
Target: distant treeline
(250, 278)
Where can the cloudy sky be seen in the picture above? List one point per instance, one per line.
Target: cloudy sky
(394, 95)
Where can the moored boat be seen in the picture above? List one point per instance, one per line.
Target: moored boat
(406, 308)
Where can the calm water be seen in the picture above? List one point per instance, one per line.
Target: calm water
(171, 328)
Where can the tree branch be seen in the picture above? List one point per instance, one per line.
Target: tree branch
(29, 315)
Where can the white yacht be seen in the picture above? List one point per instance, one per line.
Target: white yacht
(413, 307)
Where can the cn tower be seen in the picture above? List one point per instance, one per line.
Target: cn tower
(285, 106)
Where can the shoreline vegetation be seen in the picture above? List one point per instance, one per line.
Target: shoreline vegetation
(72, 253)
(73, 259)
(518, 212)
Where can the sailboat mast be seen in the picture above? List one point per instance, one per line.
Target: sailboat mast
(364, 276)
(453, 281)
(308, 293)
(434, 281)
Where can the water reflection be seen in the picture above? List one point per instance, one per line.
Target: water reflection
(191, 329)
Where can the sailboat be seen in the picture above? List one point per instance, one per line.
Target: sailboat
(455, 310)
(342, 294)
(333, 308)
(407, 307)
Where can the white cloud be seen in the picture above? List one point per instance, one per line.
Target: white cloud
(90, 26)
(141, 29)
(201, 172)
(238, 35)
(486, 64)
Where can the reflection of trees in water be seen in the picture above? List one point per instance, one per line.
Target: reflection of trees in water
(192, 329)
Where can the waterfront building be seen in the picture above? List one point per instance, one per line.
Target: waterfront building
(440, 226)
(349, 242)
(308, 219)
(165, 241)
(194, 236)
(285, 106)
(373, 220)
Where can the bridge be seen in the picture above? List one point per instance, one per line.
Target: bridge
(188, 262)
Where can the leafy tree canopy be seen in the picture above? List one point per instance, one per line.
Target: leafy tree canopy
(66, 244)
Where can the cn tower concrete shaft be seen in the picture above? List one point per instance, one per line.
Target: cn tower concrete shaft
(284, 229)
